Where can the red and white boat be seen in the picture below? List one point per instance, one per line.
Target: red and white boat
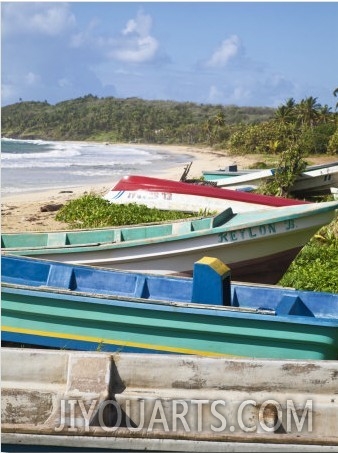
(182, 196)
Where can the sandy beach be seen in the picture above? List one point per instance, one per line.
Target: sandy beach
(23, 212)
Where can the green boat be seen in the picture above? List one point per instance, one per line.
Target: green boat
(81, 307)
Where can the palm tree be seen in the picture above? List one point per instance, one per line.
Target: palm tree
(208, 127)
(220, 119)
(285, 114)
(325, 115)
(308, 110)
(335, 93)
(290, 103)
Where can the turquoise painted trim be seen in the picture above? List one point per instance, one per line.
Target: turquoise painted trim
(275, 219)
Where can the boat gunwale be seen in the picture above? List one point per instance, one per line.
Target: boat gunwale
(167, 306)
(267, 218)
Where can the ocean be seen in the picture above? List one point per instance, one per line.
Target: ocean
(34, 165)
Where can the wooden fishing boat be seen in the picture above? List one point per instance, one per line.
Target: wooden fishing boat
(249, 180)
(96, 401)
(232, 170)
(316, 179)
(183, 196)
(79, 307)
(228, 172)
(258, 246)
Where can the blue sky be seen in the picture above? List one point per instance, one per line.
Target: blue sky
(242, 53)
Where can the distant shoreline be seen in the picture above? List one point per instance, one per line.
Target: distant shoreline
(22, 212)
(172, 170)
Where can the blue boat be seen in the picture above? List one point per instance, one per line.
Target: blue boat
(66, 306)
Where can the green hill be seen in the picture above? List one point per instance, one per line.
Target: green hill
(124, 120)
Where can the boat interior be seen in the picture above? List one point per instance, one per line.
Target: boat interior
(110, 235)
(111, 284)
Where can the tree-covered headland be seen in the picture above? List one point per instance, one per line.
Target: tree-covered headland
(235, 129)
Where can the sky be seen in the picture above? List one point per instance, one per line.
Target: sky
(228, 53)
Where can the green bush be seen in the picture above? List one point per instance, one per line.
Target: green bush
(333, 143)
(315, 268)
(92, 211)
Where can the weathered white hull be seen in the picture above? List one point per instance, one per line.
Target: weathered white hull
(168, 402)
(317, 180)
(182, 196)
(255, 252)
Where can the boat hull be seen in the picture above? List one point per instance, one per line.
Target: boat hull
(242, 241)
(317, 181)
(57, 321)
(212, 175)
(174, 195)
(247, 404)
(168, 201)
(250, 179)
(314, 180)
(79, 307)
(260, 254)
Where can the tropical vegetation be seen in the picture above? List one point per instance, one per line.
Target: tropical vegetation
(239, 130)
(315, 268)
(308, 123)
(124, 120)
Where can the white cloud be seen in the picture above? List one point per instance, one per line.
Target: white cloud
(64, 82)
(215, 95)
(133, 44)
(241, 94)
(31, 78)
(136, 45)
(138, 51)
(141, 25)
(229, 93)
(8, 93)
(36, 18)
(227, 50)
(84, 38)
